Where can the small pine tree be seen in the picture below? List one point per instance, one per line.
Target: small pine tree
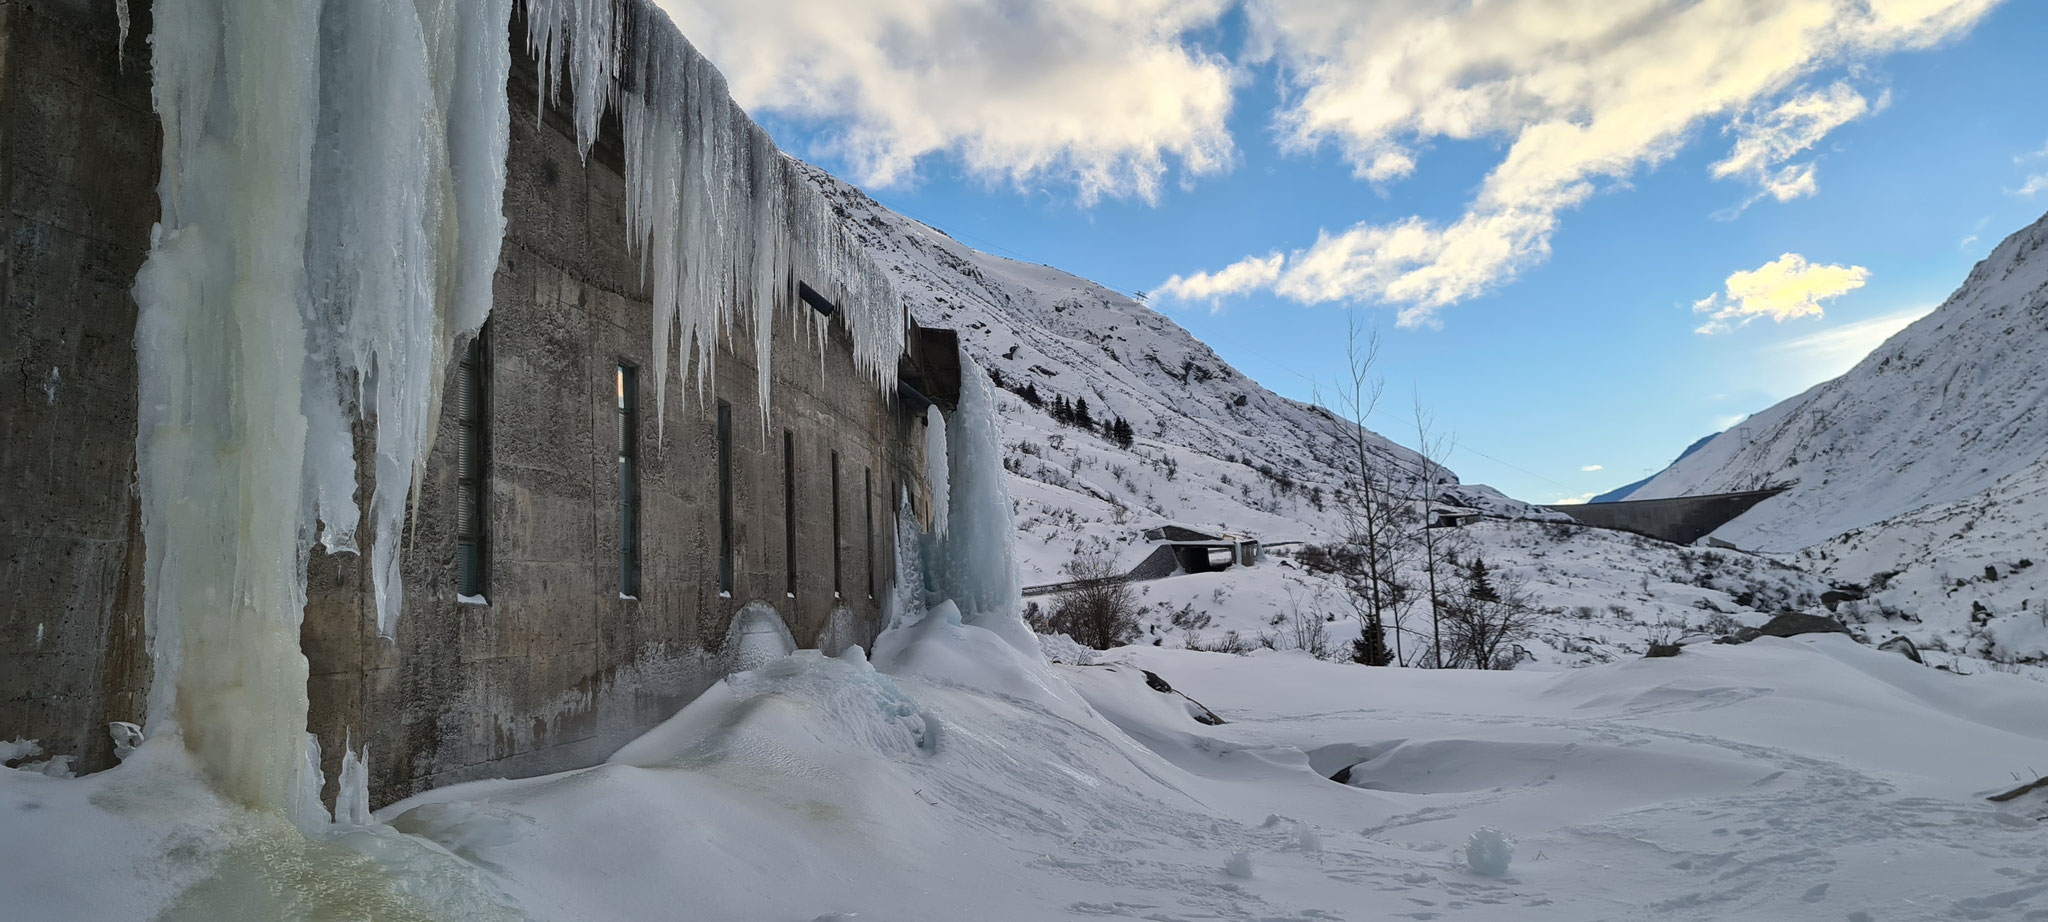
(1061, 413)
(996, 375)
(1479, 584)
(1369, 648)
(1030, 394)
(1081, 417)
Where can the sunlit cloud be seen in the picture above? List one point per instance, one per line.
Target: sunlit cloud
(1782, 289)
(1099, 94)
(1586, 93)
(1592, 467)
(2034, 184)
(1211, 286)
(1578, 500)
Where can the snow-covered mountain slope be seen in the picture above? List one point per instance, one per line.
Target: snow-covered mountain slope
(1944, 410)
(1968, 577)
(1212, 447)
(1627, 491)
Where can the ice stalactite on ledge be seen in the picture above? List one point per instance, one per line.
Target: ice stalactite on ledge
(716, 213)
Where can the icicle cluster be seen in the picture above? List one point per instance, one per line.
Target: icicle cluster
(718, 216)
(331, 185)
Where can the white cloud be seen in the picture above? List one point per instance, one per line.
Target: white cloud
(1765, 141)
(1586, 92)
(1804, 361)
(1592, 467)
(2034, 183)
(1579, 500)
(1781, 289)
(1249, 272)
(1101, 94)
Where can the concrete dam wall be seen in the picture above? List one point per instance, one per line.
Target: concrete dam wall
(1679, 519)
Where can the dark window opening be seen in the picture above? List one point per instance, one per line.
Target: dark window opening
(867, 497)
(789, 510)
(818, 302)
(470, 504)
(835, 525)
(724, 498)
(628, 387)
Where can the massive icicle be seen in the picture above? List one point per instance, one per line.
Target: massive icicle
(978, 566)
(936, 472)
(330, 191)
(220, 350)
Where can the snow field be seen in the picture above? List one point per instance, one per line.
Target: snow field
(957, 777)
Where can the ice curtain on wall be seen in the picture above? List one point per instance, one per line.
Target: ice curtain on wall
(331, 194)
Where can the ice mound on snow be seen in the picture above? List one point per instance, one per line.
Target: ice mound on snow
(1488, 852)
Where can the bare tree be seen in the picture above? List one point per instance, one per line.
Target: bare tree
(1492, 613)
(1101, 610)
(1366, 503)
(1436, 546)
(1309, 627)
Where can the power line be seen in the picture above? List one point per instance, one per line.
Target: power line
(1511, 466)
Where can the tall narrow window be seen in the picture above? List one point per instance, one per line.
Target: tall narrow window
(724, 498)
(470, 508)
(835, 525)
(789, 511)
(628, 387)
(867, 500)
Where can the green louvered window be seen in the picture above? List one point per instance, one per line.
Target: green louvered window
(628, 387)
(724, 498)
(471, 507)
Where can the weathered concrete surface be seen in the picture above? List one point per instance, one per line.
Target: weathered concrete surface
(1679, 519)
(78, 153)
(557, 669)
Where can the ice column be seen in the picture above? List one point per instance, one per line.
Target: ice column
(979, 567)
(330, 191)
(221, 355)
(936, 468)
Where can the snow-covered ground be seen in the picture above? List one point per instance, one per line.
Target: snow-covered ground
(1811, 778)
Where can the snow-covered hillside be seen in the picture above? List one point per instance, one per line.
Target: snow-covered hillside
(1212, 447)
(1944, 410)
(1919, 475)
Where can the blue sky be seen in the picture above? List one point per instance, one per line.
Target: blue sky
(1162, 140)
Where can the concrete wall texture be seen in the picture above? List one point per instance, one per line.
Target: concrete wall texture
(557, 668)
(1679, 519)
